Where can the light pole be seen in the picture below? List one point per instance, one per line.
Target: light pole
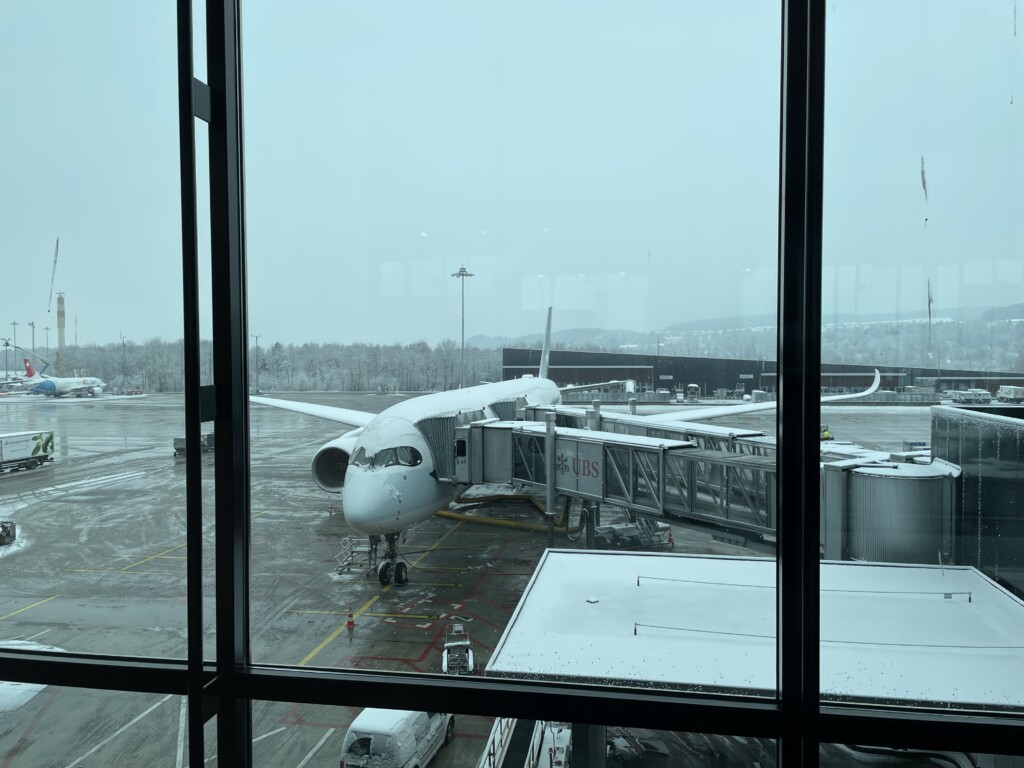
(257, 337)
(47, 329)
(7, 367)
(124, 379)
(33, 326)
(14, 325)
(462, 274)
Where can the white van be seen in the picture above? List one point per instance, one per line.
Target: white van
(393, 738)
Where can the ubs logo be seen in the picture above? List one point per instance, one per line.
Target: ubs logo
(579, 467)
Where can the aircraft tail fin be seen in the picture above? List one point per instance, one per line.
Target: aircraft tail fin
(29, 370)
(546, 351)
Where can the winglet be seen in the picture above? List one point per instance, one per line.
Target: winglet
(546, 351)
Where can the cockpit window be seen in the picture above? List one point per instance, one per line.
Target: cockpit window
(385, 458)
(409, 456)
(405, 455)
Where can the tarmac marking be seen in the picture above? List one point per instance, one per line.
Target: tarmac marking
(25, 738)
(327, 641)
(315, 749)
(117, 733)
(133, 573)
(179, 760)
(20, 610)
(153, 557)
(366, 606)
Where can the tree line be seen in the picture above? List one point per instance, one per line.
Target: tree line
(158, 365)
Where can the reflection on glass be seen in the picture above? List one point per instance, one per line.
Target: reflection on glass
(52, 725)
(852, 755)
(92, 330)
(411, 218)
(922, 280)
(386, 738)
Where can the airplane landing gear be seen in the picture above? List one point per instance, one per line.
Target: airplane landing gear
(390, 567)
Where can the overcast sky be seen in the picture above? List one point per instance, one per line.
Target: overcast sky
(617, 160)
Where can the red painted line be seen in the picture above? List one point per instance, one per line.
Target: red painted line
(16, 750)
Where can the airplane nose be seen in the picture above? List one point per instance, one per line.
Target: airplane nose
(369, 505)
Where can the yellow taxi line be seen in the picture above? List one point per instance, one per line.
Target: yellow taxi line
(27, 607)
(330, 638)
(153, 557)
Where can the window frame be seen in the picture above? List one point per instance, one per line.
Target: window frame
(226, 686)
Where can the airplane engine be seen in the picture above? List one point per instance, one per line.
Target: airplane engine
(331, 462)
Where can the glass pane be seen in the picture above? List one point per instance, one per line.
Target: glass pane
(304, 734)
(52, 725)
(921, 524)
(853, 755)
(92, 329)
(415, 204)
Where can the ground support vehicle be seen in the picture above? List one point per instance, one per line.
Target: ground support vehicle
(25, 450)
(393, 738)
(8, 532)
(1010, 394)
(974, 395)
(206, 443)
(457, 655)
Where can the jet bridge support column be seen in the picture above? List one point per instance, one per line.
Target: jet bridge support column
(549, 488)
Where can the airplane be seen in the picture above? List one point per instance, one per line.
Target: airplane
(386, 467)
(52, 386)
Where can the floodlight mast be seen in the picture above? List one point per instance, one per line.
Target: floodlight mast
(462, 274)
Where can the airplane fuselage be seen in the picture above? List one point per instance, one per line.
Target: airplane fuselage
(391, 481)
(87, 385)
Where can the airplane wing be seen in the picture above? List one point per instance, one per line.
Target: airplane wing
(629, 384)
(329, 412)
(699, 414)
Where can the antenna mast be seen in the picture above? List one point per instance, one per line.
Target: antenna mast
(53, 274)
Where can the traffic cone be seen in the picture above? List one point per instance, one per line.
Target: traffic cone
(351, 623)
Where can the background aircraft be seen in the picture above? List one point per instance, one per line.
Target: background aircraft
(54, 386)
(386, 467)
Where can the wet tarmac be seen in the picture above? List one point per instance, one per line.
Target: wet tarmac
(99, 568)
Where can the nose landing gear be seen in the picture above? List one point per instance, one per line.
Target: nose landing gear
(390, 567)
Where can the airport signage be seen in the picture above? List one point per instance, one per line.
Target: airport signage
(746, 375)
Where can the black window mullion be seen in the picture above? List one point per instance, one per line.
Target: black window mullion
(799, 363)
(193, 425)
(234, 726)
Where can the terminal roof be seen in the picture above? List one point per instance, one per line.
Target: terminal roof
(890, 633)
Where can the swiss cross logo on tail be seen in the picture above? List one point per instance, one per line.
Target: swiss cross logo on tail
(28, 368)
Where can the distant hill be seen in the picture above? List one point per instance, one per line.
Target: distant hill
(1012, 312)
(618, 338)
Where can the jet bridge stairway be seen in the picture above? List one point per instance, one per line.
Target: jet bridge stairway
(729, 494)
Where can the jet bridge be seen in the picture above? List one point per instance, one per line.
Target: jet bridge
(731, 494)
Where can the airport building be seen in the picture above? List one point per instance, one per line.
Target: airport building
(186, 610)
(572, 367)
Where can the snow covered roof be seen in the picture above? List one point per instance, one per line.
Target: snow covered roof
(896, 633)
